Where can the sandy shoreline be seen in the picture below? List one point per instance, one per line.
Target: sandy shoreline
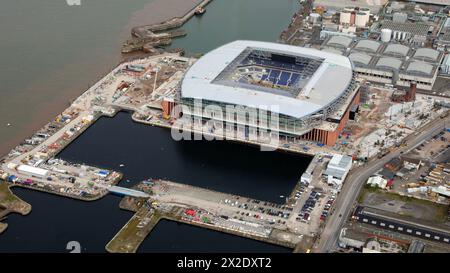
(154, 12)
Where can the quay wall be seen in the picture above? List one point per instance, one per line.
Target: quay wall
(241, 141)
(171, 20)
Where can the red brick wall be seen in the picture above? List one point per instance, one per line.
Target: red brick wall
(329, 138)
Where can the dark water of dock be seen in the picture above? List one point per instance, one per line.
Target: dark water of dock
(147, 151)
(54, 221)
(170, 237)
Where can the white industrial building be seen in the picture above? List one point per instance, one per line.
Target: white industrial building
(442, 42)
(337, 169)
(389, 63)
(445, 67)
(377, 181)
(442, 190)
(308, 174)
(32, 171)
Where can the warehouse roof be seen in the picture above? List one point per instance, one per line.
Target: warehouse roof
(397, 49)
(332, 50)
(389, 62)
(336, 173)
(340, 40)
(370, 45)
(420, 67)
(361, 58)
(340, 161)
(32, 170)
(447, 23)
(427, 53)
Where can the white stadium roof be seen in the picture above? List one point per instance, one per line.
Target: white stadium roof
(332, 50)
(327, 84)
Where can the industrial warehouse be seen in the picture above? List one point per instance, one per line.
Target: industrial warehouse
(263, 76)
(389, 63)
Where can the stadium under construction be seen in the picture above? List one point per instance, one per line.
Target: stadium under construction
(276, 90)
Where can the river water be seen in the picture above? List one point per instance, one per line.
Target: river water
(51, 51)
(229, 20)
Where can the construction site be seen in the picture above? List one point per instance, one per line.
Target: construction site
(147, 87)
(140, 86)
(345, 123)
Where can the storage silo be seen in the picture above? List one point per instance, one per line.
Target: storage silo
(404, 36)
(349, 9)
(345, 17)
(328, 16)
(396, 35)
(314, 18)
(366, 11)
(360, 20)
(386, 35)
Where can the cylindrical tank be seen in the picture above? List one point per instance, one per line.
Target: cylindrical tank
(366, 11)
(327, 16)
(314, 18)
(331, 11)
(403, 36)
(345, 17)
(386, 35)
(349, 9)
(352, 18)
(360, 20)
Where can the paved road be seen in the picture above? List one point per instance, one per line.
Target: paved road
(356, 179)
